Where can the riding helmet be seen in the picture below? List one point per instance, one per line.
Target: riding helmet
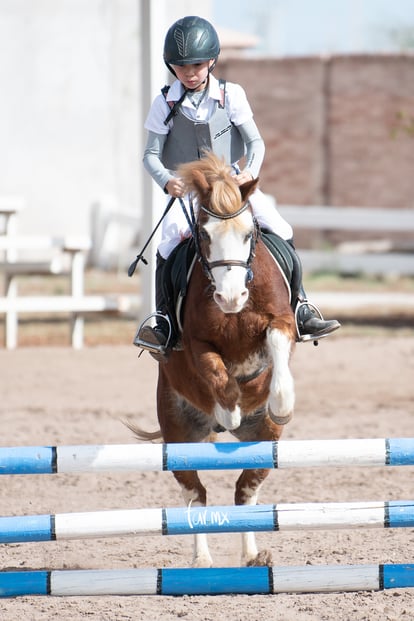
(190, 40)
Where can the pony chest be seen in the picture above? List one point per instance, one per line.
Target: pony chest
(250, 368)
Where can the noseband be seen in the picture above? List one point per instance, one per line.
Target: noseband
(228, 263)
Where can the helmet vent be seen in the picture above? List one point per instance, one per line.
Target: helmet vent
(179, 38)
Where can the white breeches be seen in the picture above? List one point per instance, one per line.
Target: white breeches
(175, 226)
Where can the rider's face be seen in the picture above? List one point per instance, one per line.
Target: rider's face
(194, 76)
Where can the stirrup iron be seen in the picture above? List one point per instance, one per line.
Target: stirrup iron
(153, 347)
(308, 337)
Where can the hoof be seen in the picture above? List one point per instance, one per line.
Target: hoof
(230, 420)
(280, 420)
(202, 562)
(263, 559)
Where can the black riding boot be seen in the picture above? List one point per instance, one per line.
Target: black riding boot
(155, 339)
(310, 323)
(311, 326)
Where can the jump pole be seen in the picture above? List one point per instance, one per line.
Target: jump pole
(206, 456)
(210, 581)
(218, 519)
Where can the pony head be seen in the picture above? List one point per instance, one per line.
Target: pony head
(226, 228)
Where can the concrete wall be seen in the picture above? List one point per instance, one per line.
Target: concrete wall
(76, 81)
(68, 109)
(328, 127)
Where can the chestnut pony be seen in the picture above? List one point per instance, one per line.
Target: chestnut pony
(238, 334)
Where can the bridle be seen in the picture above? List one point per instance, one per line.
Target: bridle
(208, 266)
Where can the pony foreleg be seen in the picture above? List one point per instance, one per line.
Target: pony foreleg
(282, 391)
(224, 389)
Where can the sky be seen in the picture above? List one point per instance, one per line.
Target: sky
(302, 27)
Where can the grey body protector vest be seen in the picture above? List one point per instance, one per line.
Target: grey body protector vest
(188, 139)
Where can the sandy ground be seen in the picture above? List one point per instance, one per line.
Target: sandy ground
(346, 388)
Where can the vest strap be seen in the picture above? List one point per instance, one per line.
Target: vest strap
(175, 105)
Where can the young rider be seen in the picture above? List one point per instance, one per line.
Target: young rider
(197, 112)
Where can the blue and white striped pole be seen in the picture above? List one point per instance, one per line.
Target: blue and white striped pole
(206, 456)
(211, 581)
(219, 519)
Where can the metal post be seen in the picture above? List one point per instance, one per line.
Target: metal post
(153, 75)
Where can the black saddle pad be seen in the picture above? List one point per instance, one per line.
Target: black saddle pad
(280, 250)
(285, 254)
(176, 274)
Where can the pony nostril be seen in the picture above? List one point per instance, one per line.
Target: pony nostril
(231, 302)
(218, 297)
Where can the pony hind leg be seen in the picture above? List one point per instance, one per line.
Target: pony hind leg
(194, 494)
(182, 422)
(247, 493)
(256, 427)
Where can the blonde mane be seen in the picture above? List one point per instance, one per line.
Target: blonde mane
(211, 177)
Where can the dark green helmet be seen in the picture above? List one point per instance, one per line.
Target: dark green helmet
(190, 40)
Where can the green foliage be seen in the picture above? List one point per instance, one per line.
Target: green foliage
(404, 124)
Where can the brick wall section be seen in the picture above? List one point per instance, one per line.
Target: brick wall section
(368, 165)
(328, 123)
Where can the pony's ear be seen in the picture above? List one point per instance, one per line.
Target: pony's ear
(200, 184)
(248, 188)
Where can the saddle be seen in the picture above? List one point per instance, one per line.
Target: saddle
(179, 266)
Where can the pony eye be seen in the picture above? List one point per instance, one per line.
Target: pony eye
(204, 236)
(248, 237)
